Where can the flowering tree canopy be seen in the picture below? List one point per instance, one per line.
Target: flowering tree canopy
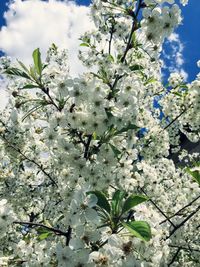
(86, 175)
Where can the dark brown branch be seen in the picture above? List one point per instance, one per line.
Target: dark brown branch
(183, 222)
(158, 208)
(30, 160)
(174, 257)
(185, 109)
(134, 27)
(87, 146)
(184, 248)
(52, 229)
(111, 37)
(46, 91)
(178, 212)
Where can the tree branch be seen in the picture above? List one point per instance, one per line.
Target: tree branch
(55, 230)
(159, 209)
(87, 146)
(183, 222)
(186, 206)
(30, 160)
(174, 257)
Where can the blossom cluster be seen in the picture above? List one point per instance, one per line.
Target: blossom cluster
(86, 170)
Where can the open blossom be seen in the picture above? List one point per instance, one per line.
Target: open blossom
(7, 216)
(93, 167)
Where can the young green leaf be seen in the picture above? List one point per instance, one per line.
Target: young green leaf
(133, 201)
(44, 236)
(33, 73)
(85, 44)
(17, 72)
(140, 229)
(102, 200)
(37, 61)
(23, 66)
(116, 201)
(29, 86)
(115, 150)
(195, 174)
(125, 129)
(43, 233)
(136, 67)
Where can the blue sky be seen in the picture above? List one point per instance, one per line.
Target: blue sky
(189, 34)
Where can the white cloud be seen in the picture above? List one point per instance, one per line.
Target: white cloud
(174, 55)
(35, 23)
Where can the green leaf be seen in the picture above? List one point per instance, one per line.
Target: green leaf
(110, 58)
(17, 72)
(150, 80)
(117, 200)
(29, 86)
(44, 235)
(115, 150)
(195, 174)
(125, 129)
(33, 73)
(54, 47)
(184, 86)
(136, 67)
(133, 201)
(84, 44)
(37, 61)
(134, 40)
(102, 200)
(23, 66)
(94, 136)
(140, 229)
(177, 93)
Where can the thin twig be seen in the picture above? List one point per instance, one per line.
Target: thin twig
(174, 257)
(159, 209)
(178, 212)
(183, 222)
(87, 146)
(52, 229)
(30, 160)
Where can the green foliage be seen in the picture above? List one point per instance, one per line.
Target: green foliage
(37, 61)
(133, 201)
(84, 44)
(17, 72)
(43, 233)
(114, 214)
(140, 229)
(195, 174)
(136, 67)
(115, 150)
(117, 201)
(102, 200)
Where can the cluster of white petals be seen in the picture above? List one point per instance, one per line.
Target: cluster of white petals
(88, 176)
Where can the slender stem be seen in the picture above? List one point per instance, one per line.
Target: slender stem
(174, 257)
(178, 212)
(184, 248)
(55, 230)
(159, 209)
(134, 27)
(30, 160)
(46, 91)
(128, 46)
(183, 222)
(166, 127)
(87, 146)
(110, 40)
